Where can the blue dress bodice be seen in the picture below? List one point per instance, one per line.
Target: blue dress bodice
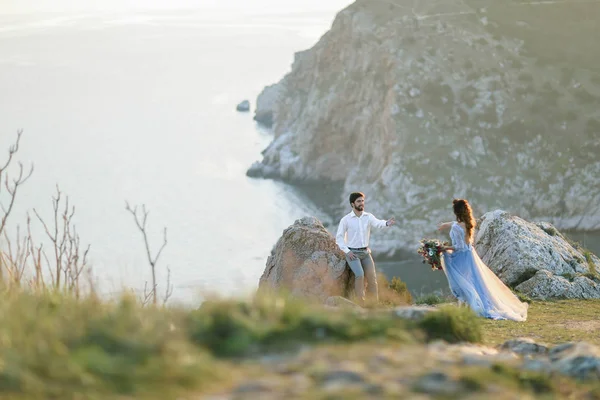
(457, 235)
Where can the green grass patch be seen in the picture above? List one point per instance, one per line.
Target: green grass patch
(53, 346)
(550, 322)
(452, 324)
(432, 299)
(239, 328)
(590, 261)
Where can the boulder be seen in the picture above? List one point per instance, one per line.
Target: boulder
(244, 106)
(545, 285)
(535, 258)
(307, 263)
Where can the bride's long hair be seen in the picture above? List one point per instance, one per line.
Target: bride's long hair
(463, 212)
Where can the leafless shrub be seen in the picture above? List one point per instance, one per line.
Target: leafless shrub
(10, 186)
(63, 265)
(24, 261)
(69, 259)
(12, 262)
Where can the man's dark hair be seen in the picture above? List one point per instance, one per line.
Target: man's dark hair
(355, 195)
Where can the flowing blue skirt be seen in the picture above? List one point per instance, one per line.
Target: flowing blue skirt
(472, 282)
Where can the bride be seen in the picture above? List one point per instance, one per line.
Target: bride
(470, 280)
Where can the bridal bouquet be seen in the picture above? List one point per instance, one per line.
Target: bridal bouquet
(431, 250)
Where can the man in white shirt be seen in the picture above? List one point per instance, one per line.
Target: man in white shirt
(353, 238)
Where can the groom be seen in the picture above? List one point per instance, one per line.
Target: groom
(353, 238)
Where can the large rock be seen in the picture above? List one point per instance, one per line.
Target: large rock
(308, 263)
(417, 102)
(536, 258)
(545, 285)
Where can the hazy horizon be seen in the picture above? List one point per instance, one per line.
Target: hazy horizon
(142, 108)
(74, 6)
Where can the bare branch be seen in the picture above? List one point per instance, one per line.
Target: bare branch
(12, 185)
(15, 259)
(141, 220)
(169, 289)
(69, 260)
(161, 247)
(12, 150)
(147, 295)
(36, 253)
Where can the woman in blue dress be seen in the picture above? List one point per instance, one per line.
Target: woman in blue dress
(470, 280)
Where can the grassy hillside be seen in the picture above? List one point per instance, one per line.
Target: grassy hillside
(56, 347)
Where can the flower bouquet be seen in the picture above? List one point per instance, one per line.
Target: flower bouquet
(431, 250)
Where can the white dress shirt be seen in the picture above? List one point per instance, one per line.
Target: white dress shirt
(355, 231)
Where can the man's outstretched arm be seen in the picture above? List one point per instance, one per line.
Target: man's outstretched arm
(381, 223)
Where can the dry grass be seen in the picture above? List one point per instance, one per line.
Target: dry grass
(394, 292)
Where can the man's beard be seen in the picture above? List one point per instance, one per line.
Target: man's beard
(359, 208)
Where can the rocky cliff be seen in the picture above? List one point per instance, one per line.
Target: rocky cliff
(417, 102)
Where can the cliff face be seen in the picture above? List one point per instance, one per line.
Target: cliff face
(417, 102)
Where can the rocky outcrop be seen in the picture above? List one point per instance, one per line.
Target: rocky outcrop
(244, 106)
(307, 263)
(265, 105)
(415, 103)
(536, 259)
